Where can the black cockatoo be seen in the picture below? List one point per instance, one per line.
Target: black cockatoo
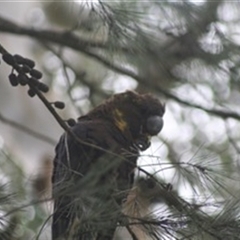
(94, 171)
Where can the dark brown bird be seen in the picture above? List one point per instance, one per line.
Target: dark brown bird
(93, 174)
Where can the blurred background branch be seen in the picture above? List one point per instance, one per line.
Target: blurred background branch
(27, 130)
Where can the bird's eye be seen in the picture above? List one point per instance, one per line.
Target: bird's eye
(154, 125)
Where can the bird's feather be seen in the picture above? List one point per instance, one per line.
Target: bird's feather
(94, 170)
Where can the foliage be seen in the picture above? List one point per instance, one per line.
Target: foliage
(21, 215)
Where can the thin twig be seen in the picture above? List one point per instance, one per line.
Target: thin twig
(133, 235)
(27, 130)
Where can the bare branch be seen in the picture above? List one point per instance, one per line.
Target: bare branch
(169, 94)
(64, 38)
(27, 130)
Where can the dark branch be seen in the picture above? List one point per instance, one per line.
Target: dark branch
(68, 39)
(217, 112)
(64, 38)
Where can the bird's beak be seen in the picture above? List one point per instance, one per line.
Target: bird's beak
(154, 125)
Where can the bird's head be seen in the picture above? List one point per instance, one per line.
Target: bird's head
(137, 116)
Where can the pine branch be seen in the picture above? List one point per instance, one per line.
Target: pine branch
(70, 40)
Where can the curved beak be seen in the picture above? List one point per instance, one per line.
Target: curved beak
(154, 125)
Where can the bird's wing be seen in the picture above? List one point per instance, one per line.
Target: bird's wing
(72, 161)
(83, 172)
